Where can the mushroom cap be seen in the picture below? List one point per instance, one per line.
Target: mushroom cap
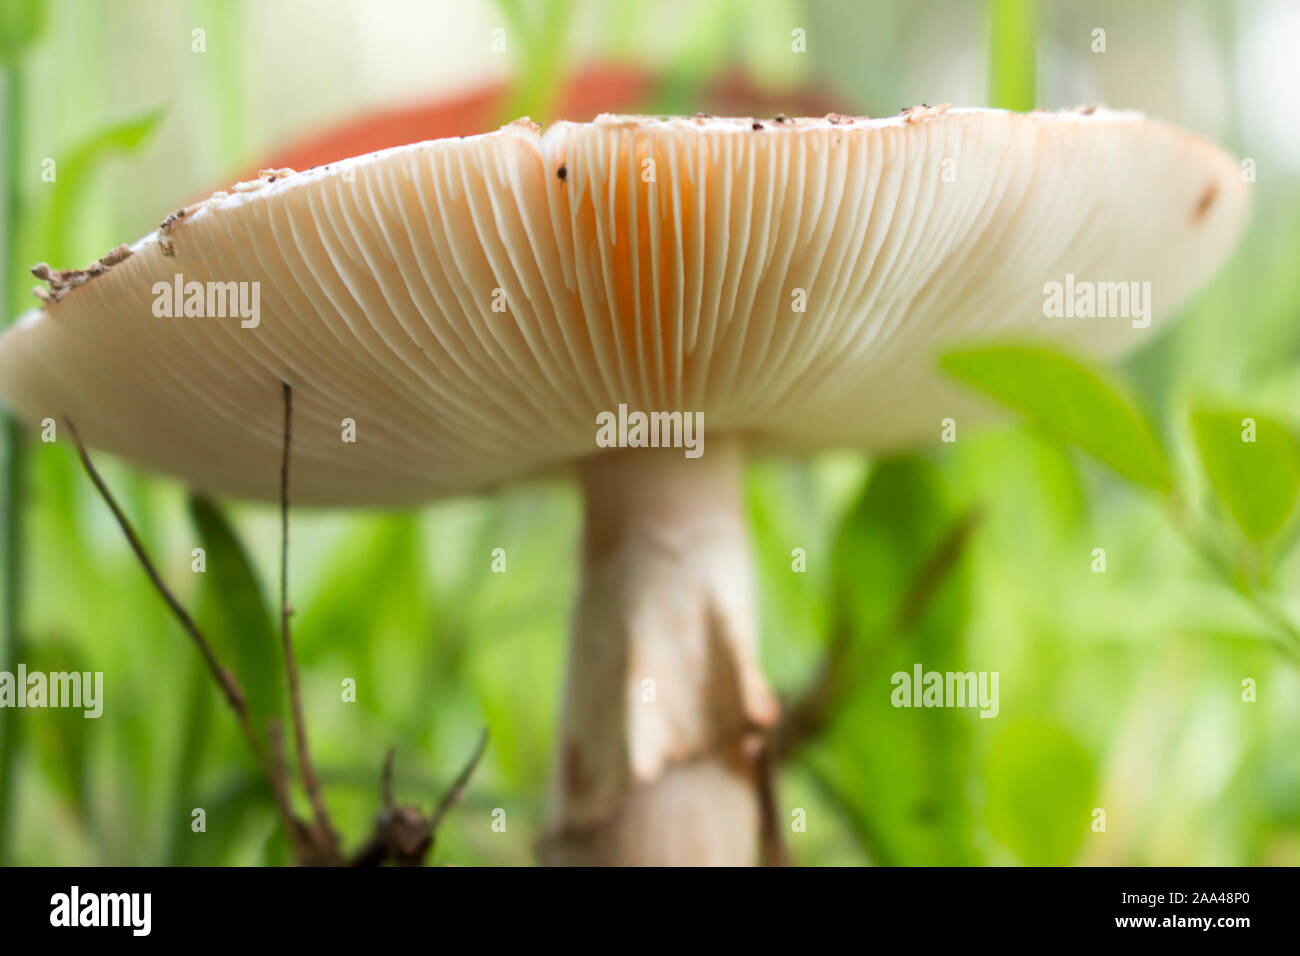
(472, 304)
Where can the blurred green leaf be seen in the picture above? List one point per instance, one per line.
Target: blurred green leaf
(903, 773)
(898, 521)
(1072, 401)
(781, 506)
(75, 172)
(1041, 792)
(185, 847)
(234, 615)
(276, 851)
(375, 587)
(241, 818)
(1257, 479)
(369, 612)
(60, 736)
(21, 23)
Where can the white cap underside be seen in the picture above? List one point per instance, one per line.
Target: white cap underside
(905, 236)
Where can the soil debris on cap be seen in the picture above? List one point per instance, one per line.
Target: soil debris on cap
(166, 244)
(62, 281)
(914, 114)
(264, 178)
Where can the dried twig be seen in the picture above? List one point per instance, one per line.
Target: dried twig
(938, 566)
(457, 789)
(229, 685)
(402, 834)
(279, 766)
(308, 849)
(311, 782)
(809, 713)
(270, 764)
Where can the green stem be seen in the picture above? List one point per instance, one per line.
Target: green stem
(14, 455)
(540, 51)
(1013, 35)
(1212, 552)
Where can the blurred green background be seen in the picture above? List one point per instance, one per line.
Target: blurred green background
(1120, 691)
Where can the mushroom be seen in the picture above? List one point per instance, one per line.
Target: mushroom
(485, 309)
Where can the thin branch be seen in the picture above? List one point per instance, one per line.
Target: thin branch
(230, 688)
(279, 766)
(309, 779)
(293, 827)
(457, 789)
(310, 846)
(271, 764)
(936, 570)
(402, 834)
(812, 709)
(1210, 549)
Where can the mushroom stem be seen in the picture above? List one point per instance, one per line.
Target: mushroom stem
(665, 703)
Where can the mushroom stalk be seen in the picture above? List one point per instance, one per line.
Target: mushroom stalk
(665, 701)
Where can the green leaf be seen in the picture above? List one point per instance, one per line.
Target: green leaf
(60, 736)
(898, 521)
(21, 23)
(781, 501)
(1073, 401)
(1253, 462)
(234, 615)
(276, 850)
(75, 173)
(370, 613)
(905, 782)
(184, 847)
(374, 586)
(1041, 790)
